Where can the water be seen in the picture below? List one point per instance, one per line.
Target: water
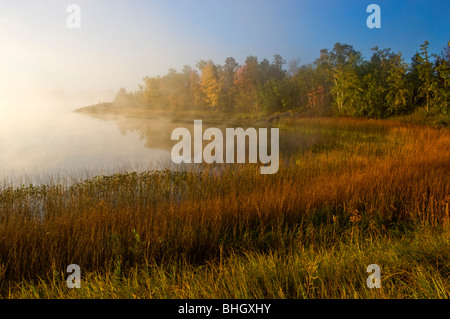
(42, 139)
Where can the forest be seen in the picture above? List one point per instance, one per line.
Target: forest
(339, 82)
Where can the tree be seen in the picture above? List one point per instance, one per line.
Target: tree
(229, 69)
(174, 89)
(324, 79)
(277, 71)
(348, 91)
(399, 93)
(414, 80)
(273, 95)
(246, 82)
(152, 94)
(433, 79)
(302, 81)
(209, 84)
(264, 71)
(197, 95)
(226, 83)
(189, 86)
(441, 86)
(425, 72)
(387, 91)
(344, 64)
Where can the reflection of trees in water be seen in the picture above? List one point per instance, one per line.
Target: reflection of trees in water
(157, 131)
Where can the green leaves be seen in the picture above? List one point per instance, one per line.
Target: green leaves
(339, 81)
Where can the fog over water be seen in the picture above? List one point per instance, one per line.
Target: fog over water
(41, 138)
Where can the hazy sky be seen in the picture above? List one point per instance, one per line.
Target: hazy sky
(121, 41)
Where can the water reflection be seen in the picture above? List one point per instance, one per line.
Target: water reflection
(156, 130)
(45, 142)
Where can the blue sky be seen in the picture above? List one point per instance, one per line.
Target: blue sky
(121, 41)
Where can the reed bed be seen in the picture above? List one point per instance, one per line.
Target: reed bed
(349, 193)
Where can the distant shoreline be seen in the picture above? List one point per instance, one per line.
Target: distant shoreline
(238, 118)
(96, 108)
(210, 116)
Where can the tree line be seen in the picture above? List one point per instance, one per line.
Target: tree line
(339, 81)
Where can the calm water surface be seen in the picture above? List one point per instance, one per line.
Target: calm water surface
(41, 139)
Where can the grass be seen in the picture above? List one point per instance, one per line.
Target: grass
(349, 193)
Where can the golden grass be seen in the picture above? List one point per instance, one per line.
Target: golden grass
(364, 192)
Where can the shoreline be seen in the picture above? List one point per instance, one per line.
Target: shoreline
(105, 109)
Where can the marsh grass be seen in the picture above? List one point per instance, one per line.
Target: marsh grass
(359, 192)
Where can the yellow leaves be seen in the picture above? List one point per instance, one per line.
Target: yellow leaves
(210, 85)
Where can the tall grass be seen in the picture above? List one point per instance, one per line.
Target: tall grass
(356, 192)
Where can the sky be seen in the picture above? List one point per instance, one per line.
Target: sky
(121, 41)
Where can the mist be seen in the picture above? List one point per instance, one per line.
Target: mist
(41, 138)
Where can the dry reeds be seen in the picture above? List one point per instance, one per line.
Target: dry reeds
(361, 182)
